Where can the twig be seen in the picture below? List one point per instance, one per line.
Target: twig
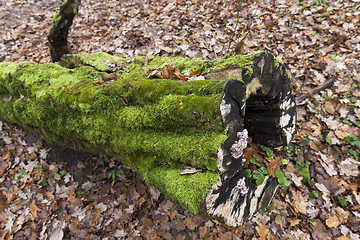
(123, 102)
(316, 90)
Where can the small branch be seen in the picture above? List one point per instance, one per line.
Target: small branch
(316, 90)
(60, 29)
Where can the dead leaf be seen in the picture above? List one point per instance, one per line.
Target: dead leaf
(329, 107)
(273, 165)
(21, 97)
(299, 203)
(333, 221)
(190, 171)
(294, 222)
(262, 231)
(3, 167)
(7, 99)
(34, 209)
(89, 58)
(112, 76)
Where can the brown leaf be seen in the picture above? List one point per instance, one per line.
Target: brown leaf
(3, 166)
(342, 215)
(332, 184)
(190, 223)
(262, 231)
(3, 203)
(320, 230)
(89, 58)
(299, 203)
(294, 222)
(34, 209)
(194, 73)
(147, 222)
(21, 97)
(333, 221)
(329, 107)
(203, 231)
(112, 76)
(273, 165)
(96, 215)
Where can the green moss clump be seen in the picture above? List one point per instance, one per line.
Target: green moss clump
(186, 190)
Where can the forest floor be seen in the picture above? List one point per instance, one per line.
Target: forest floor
(84, 196)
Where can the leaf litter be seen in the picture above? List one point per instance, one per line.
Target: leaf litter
(317, 40)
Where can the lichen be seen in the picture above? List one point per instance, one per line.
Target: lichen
(237, 149)
(241, 185)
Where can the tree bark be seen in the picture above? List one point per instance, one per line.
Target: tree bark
(60, 29)
(159, 126)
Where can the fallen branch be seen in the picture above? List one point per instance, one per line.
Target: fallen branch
(315, 90)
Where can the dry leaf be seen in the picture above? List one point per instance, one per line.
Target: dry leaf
(299, 203)
(112, 76)
(7, 99)
(329, 107)
(273, 165)
(190, 171)
(34, 209)
(333, 221)
(294, 222)
(262, 231)
(89, 58)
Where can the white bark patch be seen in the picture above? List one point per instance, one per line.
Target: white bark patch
(252, 87)
(226, 210)
(238, 147)
(220, 155)
(287, 104)
(288, 131)
(284, 120)
(225, 109)
(261, 65)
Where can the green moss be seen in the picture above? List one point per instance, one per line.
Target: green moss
(277, 62)
(138, 69)
(56, 17)
(186, 190)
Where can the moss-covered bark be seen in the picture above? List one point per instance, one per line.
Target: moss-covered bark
(156, 126)
(60, 29)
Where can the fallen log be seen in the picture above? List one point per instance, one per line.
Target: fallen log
(159, 126)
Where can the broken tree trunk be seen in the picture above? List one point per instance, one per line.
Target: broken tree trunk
(60, 29)
(158, 126)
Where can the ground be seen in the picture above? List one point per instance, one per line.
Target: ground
(317, 40)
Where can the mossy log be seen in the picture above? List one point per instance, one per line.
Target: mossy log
(158, 126)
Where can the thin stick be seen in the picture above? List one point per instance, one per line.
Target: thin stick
(316, 90)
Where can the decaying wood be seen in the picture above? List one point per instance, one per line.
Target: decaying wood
(158, 126)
